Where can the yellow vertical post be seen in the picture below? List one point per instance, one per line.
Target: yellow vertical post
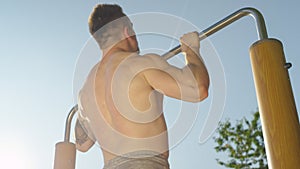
(277, 108)
(65, 155)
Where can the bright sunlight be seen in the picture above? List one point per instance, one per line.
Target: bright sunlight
(14, 154)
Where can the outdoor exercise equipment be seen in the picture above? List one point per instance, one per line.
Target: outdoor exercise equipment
(65, 152)
(275, 98)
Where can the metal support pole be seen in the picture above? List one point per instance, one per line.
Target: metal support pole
(69, 121)
(277, 108)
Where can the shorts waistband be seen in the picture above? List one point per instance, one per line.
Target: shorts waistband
(144, 158)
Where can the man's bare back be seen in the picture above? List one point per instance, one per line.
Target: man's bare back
(128, 104)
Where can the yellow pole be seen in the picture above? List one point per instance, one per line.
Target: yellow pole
(277, 108)
(65, 155)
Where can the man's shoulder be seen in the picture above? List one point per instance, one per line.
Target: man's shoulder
(146, 61)
(148, 57)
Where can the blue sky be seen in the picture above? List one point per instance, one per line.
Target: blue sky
(40, 45)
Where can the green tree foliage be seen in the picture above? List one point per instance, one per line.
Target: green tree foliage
(243, 143)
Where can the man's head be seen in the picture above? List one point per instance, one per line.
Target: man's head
(109, 25)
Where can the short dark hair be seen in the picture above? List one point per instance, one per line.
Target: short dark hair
(102, 18)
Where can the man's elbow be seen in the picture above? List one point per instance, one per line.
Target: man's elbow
(82, 148)
(203, 92)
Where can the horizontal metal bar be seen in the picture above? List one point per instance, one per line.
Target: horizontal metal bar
(260, 26)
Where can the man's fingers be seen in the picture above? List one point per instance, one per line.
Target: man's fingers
(190, 40)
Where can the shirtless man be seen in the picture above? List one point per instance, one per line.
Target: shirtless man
(121, 102)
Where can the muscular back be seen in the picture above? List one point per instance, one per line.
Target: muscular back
(129, 113)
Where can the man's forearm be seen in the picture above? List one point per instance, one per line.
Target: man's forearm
(83, 141)
(192, 56)
(197, 66)
(80, 135)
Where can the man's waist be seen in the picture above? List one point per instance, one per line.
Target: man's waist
(136, 158)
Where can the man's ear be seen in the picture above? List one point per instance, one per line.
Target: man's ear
(126, 32)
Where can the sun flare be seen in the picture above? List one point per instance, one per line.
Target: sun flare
(13, 155)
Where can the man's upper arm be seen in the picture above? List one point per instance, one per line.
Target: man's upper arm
(170, 80)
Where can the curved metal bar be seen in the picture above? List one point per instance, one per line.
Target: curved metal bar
(260, 26)
(69, 122)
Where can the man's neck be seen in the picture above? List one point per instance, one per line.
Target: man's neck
(115, 50)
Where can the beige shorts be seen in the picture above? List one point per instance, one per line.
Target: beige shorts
(138, 160)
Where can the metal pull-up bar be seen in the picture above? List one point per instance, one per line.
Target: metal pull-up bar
(260, 25)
